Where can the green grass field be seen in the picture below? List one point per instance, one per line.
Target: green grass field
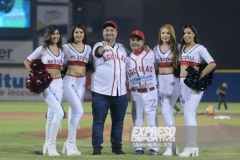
(234, 108)
(15, 144)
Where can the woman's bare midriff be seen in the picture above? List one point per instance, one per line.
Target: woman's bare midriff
(55, 73)
(166, 70)
(78, 71)
(183, 72)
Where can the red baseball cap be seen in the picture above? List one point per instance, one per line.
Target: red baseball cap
(138, 33)
(110, 23)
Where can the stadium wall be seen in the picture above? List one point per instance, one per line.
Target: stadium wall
(13, 87)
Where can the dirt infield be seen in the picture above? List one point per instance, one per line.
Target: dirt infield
(210, 132)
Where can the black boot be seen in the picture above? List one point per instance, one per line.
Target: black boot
(117, 150)
(97, 151)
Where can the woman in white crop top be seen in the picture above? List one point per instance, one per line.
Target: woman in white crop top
(51, 56)
(192, 54)
(77, 54)
(167, 53)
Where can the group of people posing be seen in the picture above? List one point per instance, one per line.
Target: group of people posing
(147, 71)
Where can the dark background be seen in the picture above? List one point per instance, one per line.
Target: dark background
(217, 22)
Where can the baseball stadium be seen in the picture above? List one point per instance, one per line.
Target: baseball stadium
(24, 107)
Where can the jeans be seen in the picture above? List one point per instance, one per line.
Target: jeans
(100, 106)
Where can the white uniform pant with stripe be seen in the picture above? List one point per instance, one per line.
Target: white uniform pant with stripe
(189, 100)
(168, 88)
(74, 91)
(53, 97)
(147, 102)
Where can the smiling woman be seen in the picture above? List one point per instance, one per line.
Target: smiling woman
(167, 53)
(51, 55)
(192, 54)
(77, 56)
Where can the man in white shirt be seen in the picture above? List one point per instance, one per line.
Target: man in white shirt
(108, 88)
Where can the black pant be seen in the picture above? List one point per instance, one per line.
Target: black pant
(222, 99)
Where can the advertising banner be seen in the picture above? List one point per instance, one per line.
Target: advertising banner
(15, 51)
(47, 15)
(13, 86)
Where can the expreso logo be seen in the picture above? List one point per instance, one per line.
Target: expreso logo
(164, 134)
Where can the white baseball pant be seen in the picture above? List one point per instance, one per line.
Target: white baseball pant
(189, 100)
(74, 91)
(53, 97)
(148, 102)
(168, 95)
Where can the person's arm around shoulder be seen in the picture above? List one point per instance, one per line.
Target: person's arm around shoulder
(66, 50)
(90, 63)
(128, 52)
(90, 55)
(147, 48)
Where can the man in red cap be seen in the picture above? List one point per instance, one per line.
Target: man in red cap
(108, 88)
(142, 81)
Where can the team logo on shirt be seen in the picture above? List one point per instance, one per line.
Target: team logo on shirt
(79, 58)
(108, 57)
(134, 70)
(54, 62)
(187, 58)
(160, 60)
(141, 78)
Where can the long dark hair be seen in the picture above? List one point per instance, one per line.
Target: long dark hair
(172, 43)
(71, 37)
(47, 36)
(193, 30)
